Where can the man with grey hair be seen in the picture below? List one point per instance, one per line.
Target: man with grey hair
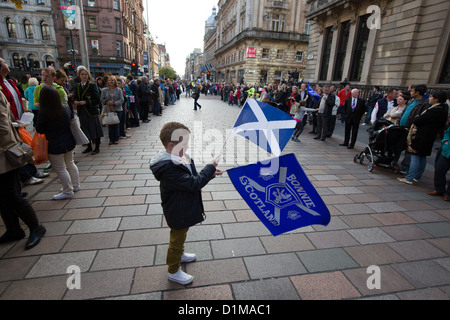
(354, 108)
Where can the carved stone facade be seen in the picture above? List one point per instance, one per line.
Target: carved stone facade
(27, 37)
(259, 41)
(379, 42)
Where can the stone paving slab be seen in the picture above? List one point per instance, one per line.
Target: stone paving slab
(114, 229)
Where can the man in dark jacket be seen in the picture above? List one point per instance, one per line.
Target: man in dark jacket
(133, 101)
(144, 93)
(326, 105)
(354, 110)
(181, 199)
(156, 98)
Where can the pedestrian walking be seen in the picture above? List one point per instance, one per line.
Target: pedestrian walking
(196, 95)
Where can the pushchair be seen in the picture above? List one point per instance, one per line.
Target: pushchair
(386, 143)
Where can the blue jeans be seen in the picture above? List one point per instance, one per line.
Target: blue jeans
(416, 167)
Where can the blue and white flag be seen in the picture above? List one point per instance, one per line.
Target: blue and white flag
(284, 200)
(264, 125)
(312, 93)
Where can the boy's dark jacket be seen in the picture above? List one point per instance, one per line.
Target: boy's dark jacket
(181, 197)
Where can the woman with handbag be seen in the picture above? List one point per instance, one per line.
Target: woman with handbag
(12, 205)
(54, 121)
(112, 100)
(422, 135)
(293, 101)
(87, 101)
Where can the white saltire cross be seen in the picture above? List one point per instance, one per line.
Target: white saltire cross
(269, 128)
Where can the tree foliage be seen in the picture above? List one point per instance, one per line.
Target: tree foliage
(167, 72)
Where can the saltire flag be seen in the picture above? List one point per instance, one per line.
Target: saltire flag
(284, 200)
(264, 125)
(312, 93)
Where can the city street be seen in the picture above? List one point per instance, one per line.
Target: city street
(114, 230)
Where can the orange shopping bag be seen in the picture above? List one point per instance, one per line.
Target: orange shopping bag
(40, 148)
(25, 136)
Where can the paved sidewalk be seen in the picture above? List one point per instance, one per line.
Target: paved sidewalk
(114, 231)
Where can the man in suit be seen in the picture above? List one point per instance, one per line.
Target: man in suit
(354, 110)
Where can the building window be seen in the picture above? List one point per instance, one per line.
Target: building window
(45, 30)
(91, 3)
(28, 28)
(280, 54)
(118, 29)
(116, 5)
(277, 23)
(299, 56)
(359, 52)
(308, 27)
(34, 61)
(11, 28)
(93, 23)
(95, 47)
(266, 53)
(49, 61)
(341, 51)
(40, 2)
(17, 60)
(326, 53)
(119, 48)
(445, 73)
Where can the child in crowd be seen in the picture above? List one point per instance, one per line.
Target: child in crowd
(181, 198)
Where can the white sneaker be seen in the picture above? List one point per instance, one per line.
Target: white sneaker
(63, 196)
(180, 277)
(188, 257)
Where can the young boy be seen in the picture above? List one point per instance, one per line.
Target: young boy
(181, 199)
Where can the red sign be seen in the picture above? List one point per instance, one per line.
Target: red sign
(251, 52)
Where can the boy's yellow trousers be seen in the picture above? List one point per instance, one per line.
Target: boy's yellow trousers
(176, 249)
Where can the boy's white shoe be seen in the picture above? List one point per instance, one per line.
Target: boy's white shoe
(181, 277)
(188, 257)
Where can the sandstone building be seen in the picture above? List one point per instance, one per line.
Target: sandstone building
(379, 42)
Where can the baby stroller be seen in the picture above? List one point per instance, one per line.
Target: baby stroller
(386, 143)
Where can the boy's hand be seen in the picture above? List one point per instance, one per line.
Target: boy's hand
(215, 161)
(218, 173)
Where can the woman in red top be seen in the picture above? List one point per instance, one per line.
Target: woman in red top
(343, 95)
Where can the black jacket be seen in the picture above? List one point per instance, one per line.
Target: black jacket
(428, 124)
(181, 197)
(58, 133)
(354, 116)
(143, 92)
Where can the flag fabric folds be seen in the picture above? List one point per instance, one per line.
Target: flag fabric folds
(264, 125)
(312, 93)
(284, 199)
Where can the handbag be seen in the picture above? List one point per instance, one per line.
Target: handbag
(19, 154)
(109, 118)
(78, 134)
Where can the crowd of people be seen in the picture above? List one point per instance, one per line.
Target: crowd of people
(57, 102)
(425, 116)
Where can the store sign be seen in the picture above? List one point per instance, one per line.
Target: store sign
(251, 52)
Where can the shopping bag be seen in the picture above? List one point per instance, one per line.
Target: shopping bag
(78, 134)
(25, 136)
(39, 144)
